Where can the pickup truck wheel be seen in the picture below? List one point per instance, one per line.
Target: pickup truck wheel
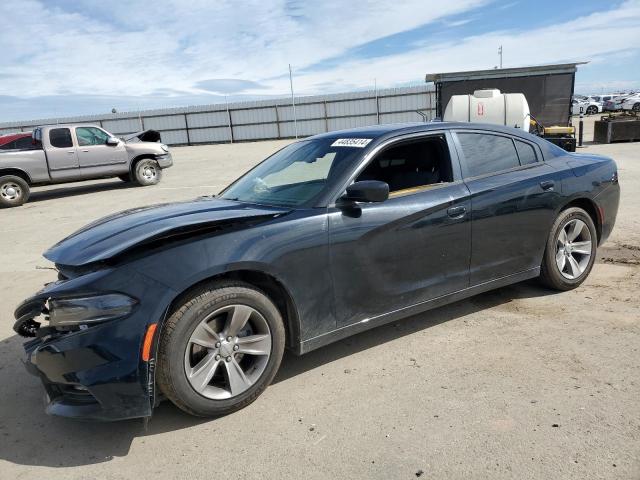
(14, 191)
(220, 349)
(571, 250)
(147, 172)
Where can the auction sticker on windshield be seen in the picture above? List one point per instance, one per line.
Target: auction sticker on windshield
(351, 142)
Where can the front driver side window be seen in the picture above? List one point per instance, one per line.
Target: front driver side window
(411, 165)
(91, 136)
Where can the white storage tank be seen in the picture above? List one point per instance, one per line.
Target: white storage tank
(489, 106)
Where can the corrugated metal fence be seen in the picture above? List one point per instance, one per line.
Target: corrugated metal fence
(263, 119)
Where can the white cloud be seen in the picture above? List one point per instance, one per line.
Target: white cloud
(92, 49)
(591, 37)
(171, 47)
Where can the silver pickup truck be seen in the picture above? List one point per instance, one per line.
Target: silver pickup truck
(67, 153)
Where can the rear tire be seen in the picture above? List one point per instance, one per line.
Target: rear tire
(147, 172)
(14, 191)
(220, 349)
(570, 251)
(636, 107)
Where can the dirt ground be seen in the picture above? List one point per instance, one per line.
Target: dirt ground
(520, 382)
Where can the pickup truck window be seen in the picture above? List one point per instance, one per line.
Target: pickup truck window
(91, 136)
(60, 138)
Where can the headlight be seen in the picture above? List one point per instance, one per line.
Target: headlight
(89, 309)
(164, 147)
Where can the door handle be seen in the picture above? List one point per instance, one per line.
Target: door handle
(456, 212)
(85, 151)
(72, 152)
(547, 184)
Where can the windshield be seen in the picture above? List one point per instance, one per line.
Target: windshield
(295, 176)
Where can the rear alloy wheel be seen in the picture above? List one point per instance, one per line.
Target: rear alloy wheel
(220, 350)
(571, 250)
(14, 191)
(147, 172)
(592, 110)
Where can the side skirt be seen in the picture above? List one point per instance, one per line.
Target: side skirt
(368, 323)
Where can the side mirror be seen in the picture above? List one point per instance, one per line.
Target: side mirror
(367, 191)
(112, 141)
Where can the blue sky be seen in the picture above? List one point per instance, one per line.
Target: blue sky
(71, 57)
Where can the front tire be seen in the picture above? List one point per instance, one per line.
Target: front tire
(592, 110)
(147, 172)
(14, 191)
(220, 349)
(570, 251)
(636, 107)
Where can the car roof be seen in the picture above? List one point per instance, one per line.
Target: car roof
(381, 132)
(68, 125)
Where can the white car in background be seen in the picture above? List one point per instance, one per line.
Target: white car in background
(587, 106)
(632, 102)
(614, 103)
(605, 97)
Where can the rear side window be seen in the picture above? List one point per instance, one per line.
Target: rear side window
(526, 153)
(60, 138)
(486, 153)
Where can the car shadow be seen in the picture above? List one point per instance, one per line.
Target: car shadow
(293, 365)
(29, 437)
(71, 190)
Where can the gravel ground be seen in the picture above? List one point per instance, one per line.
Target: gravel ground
(520, 382)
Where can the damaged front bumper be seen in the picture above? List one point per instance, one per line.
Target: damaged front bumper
(91, 372)
(85, 377)
(164, 161)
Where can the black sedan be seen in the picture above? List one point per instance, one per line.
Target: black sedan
(332, 235)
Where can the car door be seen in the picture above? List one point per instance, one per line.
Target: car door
(93, 151)
(62, 156)
(411, 248)
(513, 201)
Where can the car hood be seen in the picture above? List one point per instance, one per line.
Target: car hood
(143, 136)
(120, 232)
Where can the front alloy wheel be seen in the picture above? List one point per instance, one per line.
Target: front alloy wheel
(220, 348)
(227, 352)
(147, 172)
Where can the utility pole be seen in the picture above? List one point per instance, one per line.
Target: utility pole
(500, 54)
(226, 99)
(375, 87)
(293, 103)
